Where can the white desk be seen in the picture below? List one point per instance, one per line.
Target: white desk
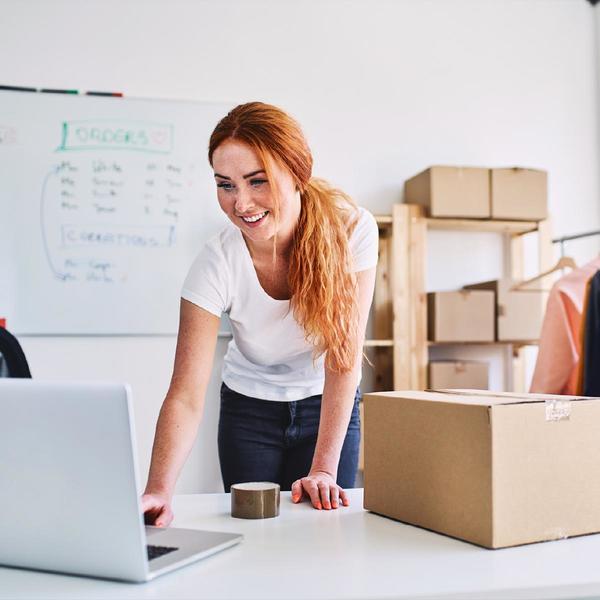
(344, 553)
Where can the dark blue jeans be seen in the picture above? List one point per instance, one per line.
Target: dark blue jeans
(264, 440)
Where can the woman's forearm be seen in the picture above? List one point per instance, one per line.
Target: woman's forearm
(336, 408)
(176, 431)
(340, 389)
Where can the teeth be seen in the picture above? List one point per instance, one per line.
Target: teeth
(255, 217)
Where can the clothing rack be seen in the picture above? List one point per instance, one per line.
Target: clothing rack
(577, 236)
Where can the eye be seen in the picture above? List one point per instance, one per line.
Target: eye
(225, 185)
(257, 182)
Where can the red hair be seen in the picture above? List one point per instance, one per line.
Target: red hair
(322, 284)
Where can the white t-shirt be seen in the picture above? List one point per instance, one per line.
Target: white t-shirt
(268, 357)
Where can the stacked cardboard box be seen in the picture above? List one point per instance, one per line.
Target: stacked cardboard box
(519, 313)
(453, 374)
(462, 316)
(451, 192)
(513, 193)
(518, 193)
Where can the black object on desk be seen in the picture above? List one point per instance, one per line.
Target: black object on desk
(13, 356)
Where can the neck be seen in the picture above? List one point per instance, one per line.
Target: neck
(264, 250)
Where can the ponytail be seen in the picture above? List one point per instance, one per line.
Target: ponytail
(321, 278)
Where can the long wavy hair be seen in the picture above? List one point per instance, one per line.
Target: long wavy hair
(321, 280)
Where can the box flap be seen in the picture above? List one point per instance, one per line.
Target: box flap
(481, 397)
(518, 169)
(435, 396)
(493, 398)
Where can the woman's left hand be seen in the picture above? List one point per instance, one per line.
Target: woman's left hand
(322, 490)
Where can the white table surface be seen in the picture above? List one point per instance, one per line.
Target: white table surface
(344, 553)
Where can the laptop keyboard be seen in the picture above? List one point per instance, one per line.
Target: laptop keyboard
(157, 551)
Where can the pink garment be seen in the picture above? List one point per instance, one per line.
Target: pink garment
(558, 355)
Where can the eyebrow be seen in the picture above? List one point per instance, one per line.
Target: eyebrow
(244, 176)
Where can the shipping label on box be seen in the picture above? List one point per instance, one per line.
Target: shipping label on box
(461, 192)
(490, 468)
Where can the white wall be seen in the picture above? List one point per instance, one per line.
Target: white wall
(383, 89)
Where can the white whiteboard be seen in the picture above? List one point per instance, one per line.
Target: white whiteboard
(104, 203)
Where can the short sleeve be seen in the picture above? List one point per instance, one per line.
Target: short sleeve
(206, 282)
(364, 242)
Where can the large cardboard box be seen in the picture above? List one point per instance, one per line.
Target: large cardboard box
(493, 469)
(451, 191)
(518, 193)
(361, 447)
(458, 374)
(519, 313)
(462, 316)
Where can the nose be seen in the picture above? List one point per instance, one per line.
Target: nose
(243, 201)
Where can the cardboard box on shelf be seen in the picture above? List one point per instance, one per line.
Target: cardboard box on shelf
(461, 316)
(493, 469)
(518, 193)
(519, 313)
(458, 374)
(460, 192)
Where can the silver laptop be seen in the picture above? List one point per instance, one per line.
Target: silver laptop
(69, 495)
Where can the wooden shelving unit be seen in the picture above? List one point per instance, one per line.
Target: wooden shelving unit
(400, 304)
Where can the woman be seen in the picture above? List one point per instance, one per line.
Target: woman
(295, 271)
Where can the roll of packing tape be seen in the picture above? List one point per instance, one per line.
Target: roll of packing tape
(255, 500)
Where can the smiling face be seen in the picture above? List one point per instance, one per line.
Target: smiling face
(248, 198)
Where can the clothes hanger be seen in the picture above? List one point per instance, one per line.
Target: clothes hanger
(564, 262)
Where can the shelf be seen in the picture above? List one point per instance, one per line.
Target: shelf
(497, 343)
(378, 343)
(489, 225)
(400, 307)
(513, 227)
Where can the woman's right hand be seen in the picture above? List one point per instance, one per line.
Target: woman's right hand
(157, 510)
